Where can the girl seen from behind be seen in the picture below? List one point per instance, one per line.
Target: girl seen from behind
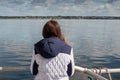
(52, 58)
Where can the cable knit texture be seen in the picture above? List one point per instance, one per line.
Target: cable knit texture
(52, 69)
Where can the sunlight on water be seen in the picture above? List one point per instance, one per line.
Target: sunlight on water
(95, 42)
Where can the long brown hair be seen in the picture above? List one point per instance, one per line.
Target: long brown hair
(52, 29)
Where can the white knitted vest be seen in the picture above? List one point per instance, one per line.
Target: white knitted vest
(53, 68)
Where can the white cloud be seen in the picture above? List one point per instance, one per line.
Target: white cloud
(38, 7)
(50, 2)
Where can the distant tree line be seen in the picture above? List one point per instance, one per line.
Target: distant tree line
(60, 17)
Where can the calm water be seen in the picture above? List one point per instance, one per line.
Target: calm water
(96, 44)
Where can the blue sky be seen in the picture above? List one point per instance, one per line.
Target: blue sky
(60, 7)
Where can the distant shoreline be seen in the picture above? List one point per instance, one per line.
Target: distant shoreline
(62, 17)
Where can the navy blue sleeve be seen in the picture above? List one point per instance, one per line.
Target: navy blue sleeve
(69, 70)
(35, 68)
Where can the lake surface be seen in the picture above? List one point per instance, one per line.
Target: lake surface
(96, 44)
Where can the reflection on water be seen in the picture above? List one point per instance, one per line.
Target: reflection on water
(95, 42)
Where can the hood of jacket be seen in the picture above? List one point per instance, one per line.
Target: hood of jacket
(51, 47)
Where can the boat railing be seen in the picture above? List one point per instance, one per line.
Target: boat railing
(91, 72)
(96, 73)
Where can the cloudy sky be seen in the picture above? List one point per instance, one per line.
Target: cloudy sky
(60, 7)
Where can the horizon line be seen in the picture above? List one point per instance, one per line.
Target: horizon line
(62, 17)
